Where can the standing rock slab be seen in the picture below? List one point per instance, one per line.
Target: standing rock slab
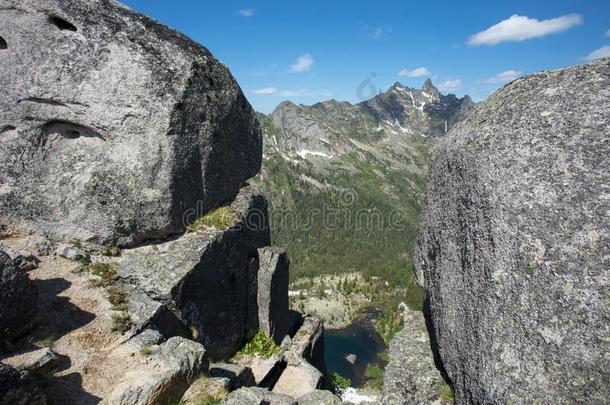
(114, 127)
(18, 300)
(411, 377)
(164, 377)
(206, 280)
(272, 294)
(514, 247)
(308, 342)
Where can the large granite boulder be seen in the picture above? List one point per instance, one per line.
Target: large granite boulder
(114, 128)
(205, 280)
(299, 378)
(18, 300)
(514, 243)
(164, 377)
(273, 317)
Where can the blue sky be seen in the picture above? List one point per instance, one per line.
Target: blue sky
(320, 49)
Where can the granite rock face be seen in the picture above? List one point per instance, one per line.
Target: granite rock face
(113, 126)
(18, 300)
(411, 377)
(273, 317)
(257, 396)
(308, 342)
(164, 378)
(514, 247)
(205, 280)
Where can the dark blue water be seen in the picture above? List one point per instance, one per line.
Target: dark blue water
(359, 338)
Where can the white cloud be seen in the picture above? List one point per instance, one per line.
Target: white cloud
(603, 52)
(379, 32)
(246, 12)
(419, 72)
(504, 77)
(265, 91)
(520, 28)
(450, 85)
(274, 91)
(303, 64)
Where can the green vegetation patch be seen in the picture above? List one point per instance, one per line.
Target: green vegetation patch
(337, 383)
(219, 218)
(121, 323)
(374, 377)
(260, 345)
(446, 392)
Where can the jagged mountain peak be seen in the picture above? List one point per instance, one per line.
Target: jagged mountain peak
(430, 88)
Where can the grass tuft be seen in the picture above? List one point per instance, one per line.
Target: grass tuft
(118, 298)
(337, 383)
(261, 345)
(47, 341)
(220, 218)
(121, 323)
(446, 392)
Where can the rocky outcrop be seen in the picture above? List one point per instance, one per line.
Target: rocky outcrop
(41, 361)
(411, 377)
(513, 246)
(299, 377)
(257, 396)
(114, 128)
(272, 293)
(163, 377)
(238, 375)
(19, 388)
(18, 300)
(319, 397)
(204, 280)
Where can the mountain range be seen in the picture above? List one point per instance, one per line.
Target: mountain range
(344, 181)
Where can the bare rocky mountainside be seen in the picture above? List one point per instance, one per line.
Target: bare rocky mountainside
(367, 164)
(135, 264)
(514, 245)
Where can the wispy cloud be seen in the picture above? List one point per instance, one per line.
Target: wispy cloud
(608, 33)
(266, 91)
(603, 52)
(304, 63)
(450, 85)
(519, 28)
(246, 12)
(378, 32)
(503, 77)
(274, 91)
(419, 72)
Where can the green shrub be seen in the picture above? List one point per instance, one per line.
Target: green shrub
(261, 345)
(220, 218)
(105, 271)
(337, 383)
(374, 377)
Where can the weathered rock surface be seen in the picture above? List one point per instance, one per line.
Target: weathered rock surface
(19, 388)
(257, 396)
(238, 375)
(272, 294)
(319, 397)
(164, 377)
(72, 253)
(41, 361)
(299, 377)
(308, 342)
(411, 377)
(514, 247)
(205, 280)
(204, 388)
(114, 127)
(18, 300)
